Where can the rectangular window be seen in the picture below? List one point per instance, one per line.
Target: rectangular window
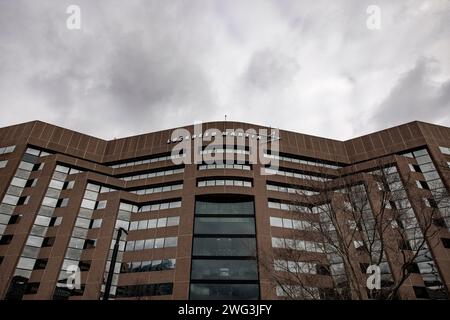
(223, 246)
(40, 264)
(224, 225)
(224, 291)
(224, 270)
(6, 239)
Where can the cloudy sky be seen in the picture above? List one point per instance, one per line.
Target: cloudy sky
(137, 66)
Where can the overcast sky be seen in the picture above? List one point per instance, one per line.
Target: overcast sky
(308, 66)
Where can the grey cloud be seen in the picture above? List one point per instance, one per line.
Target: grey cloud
(140, 66)
(415, 97)
(269, 69)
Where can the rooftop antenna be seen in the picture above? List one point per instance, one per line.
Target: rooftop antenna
(225, 117)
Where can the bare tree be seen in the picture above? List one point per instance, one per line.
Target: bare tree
(375, 218)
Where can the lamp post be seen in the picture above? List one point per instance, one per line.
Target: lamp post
(113, 264)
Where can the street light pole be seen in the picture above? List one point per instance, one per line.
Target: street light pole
(113, 264)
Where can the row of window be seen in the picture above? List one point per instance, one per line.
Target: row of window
(8, 149)
(43, 220)
(145, 161)
(154, 223)
(173, 187)
(295, 208)
(293, 224)
(224, 182)
(152, 174)
(36, 152)
(286, 173)
(149, 207)
(224, 166)
(301, 245)
(298, 291)
(141, 290)
(301, 161)
(13, 197)
(147, 266)
(137, 245)
(297, 190)
(222, 150)
(295, 266)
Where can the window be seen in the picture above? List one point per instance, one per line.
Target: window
(68, 185)
(35, 241)
(89, 244)
(6, 239)
(155, 289)
(100, 204)
(446, 242)
(95, 223)
(55, 221)
(173, 221)
(276, 222)
(224, 270)
(222, 291)
(62, 203)
(421, 292)
(48, 242)
(84, 265)
(40, 264)
(26, 263)
(159, 243)
(170, 242)
(32, 287)
(9, 199)
(413, 268)
(3, 163)
(223, 246)
(149, 244)
(30, 183)
(214, 225)
(14, 219)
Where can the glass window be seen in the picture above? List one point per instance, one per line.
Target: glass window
(42, 221)
(276, 222)
(139, 245)
(224, 246)
(152, 223)
(26, 263)
(56, 184)
(215, 291)
(34, 241)
(96, 223)
(170, 242)
(18, 182)
(142, 225)
(12, 200)
(88, 204)
(101, 204)
(149, 243)
(244, 208)
(82, 223)
(159, 243)
(287, 223)
(129, 246)
(224, 270)
(162, 222)
(38, 230)
(224, 226)
(173, 221)
(134, 225)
